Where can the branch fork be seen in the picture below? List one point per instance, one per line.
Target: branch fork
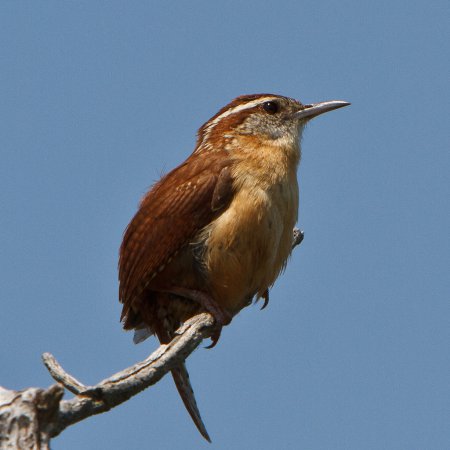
(30, 418)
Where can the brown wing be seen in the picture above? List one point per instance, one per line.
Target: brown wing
(170, 215)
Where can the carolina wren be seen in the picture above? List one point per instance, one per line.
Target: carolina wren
(216, 231)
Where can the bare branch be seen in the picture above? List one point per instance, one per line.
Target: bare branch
(61, 376)
(118, 388)
(30, 418)
(24, 415)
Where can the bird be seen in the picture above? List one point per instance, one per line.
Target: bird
(214, 233)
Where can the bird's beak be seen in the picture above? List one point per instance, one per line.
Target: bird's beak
(313, 110)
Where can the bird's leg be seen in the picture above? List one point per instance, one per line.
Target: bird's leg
(221, 316)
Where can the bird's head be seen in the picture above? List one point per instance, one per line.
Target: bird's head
(272, 118)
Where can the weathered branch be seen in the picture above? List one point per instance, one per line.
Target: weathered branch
(113, 391)
(29, 418)
(24, 415)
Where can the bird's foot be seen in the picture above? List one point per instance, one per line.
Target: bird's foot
(265, 297)
(297, 238)
(221, 316)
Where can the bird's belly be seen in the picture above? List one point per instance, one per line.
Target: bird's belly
(248, 245)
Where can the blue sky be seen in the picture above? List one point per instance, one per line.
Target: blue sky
(97, 99)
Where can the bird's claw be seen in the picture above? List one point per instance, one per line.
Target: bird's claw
(265, 297)
(222, 318)
(215, 336)
(298, 237)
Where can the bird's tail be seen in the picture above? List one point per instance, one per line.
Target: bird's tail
(181, 377)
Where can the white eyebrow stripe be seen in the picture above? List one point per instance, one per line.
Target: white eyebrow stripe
(242, 107)
(239, 108)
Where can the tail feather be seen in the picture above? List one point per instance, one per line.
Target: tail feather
(141, 334)
(181, 377)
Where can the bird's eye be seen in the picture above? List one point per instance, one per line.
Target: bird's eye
(271, 107)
